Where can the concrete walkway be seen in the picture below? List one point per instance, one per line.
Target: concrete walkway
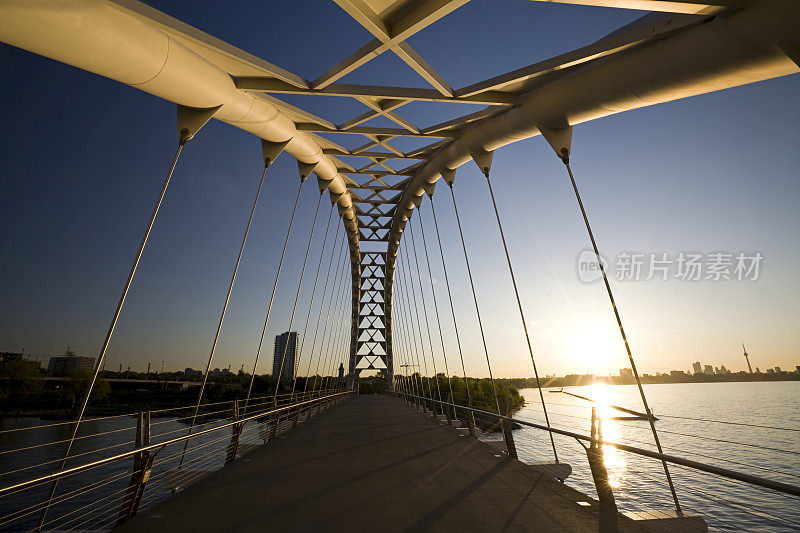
(373, 464)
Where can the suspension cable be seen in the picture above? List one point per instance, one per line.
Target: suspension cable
(409, 288)
(412, 339)
(331, 335)
(335, 332)
(475, 299)
(225, 307)
(402, 340)
(341, 341)
(415, 319)
(521, 312)
(272, 296)
(338, 342)
(410, 385)
(311, 302)
(335, 291)
(327, 316)
(321, 306)
(424, 306)
(452, 307)
(565, 160)
(436, 309)
(110, 332)
(294, 306)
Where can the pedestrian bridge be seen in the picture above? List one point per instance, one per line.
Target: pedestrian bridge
(374, 463)
(314, 454)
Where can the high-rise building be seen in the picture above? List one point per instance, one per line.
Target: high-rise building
(63, 365)
(626, 373)
(708, 369)
(697, 367)
(285, 351)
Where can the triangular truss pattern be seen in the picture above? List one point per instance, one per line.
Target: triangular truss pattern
(371, 350)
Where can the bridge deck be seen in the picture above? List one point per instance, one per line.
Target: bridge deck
(373, 463)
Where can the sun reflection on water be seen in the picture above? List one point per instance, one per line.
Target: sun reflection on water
(613, 459)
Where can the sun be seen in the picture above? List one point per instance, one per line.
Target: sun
(594, 349)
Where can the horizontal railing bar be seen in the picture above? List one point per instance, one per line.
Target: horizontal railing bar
(711, 469)
(100, 462)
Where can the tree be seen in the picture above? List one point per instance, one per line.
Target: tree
(21, 378)
(77, 383)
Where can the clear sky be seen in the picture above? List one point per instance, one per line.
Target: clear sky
(83, 157)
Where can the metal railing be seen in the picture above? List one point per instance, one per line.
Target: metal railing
(593, 444)
(101, 492)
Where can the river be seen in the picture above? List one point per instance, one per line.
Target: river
(736, 440)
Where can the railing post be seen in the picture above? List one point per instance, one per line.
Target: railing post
(506, 427)
(273, 430)
(447, 409)
(608, 507)
(142, 465)
(236, 432)
(296, 418)
(471, 420)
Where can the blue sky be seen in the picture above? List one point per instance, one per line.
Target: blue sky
(83, 158)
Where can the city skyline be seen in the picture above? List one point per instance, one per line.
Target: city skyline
(43, 359)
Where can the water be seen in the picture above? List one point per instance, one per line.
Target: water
(92, 499)
(640, 484)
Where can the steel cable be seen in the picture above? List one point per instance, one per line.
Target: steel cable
(475, 299)
(452, 307)
(322, 307)
(435, 305)
(294, 306)
(335, 292)
(227, 300)
(424, 306)
(313, 293)
(521, 312)
(114, 320)
(565, 160)
(272, 295)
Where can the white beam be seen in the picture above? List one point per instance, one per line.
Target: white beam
(365, 16)
(421, 67)
(668, 6)
(272, 85)
(365, 130)
(646, 28)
